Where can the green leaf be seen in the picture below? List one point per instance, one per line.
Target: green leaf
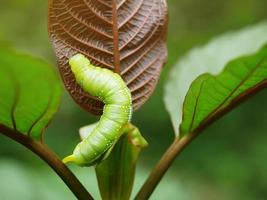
(209, 97)
(30, 93)
(116, 173)
(210, 58)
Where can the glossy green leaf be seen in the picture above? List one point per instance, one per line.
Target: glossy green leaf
(116, 173)
(210, 58)
(30, 93)
(209, 97)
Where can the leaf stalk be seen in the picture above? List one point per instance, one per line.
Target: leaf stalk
(51, 159)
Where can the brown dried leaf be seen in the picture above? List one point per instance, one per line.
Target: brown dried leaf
(126, 36)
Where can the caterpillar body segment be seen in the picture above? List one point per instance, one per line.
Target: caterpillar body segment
(112, 90)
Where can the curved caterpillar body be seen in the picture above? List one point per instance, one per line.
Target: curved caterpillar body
(112, 90)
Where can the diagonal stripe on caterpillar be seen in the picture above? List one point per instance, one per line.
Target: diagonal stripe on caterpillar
(112, 90)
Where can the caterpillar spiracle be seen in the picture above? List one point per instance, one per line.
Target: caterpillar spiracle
(110, 88)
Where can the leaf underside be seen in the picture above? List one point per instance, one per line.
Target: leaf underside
(126, 36)
(30, 93)
(211, 96)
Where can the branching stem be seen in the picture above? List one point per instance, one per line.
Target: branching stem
(51, 159)
(163, 165)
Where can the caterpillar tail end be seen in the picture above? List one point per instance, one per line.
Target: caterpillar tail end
(70, 159)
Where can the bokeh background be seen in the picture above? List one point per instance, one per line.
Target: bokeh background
(227, 162)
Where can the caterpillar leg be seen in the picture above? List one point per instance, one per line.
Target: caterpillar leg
(86, 131)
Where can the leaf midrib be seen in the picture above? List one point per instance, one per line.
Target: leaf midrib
(117, 63)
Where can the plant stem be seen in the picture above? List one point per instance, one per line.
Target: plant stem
(163, 165)
(51, 159)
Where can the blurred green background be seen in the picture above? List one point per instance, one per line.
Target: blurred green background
(228, 162)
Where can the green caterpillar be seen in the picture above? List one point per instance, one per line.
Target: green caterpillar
(110, 88)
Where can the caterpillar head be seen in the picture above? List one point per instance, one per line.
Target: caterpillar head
(78, 62)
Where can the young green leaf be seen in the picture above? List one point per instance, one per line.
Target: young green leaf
(30, 93)
(210, 58)
(209, 97)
